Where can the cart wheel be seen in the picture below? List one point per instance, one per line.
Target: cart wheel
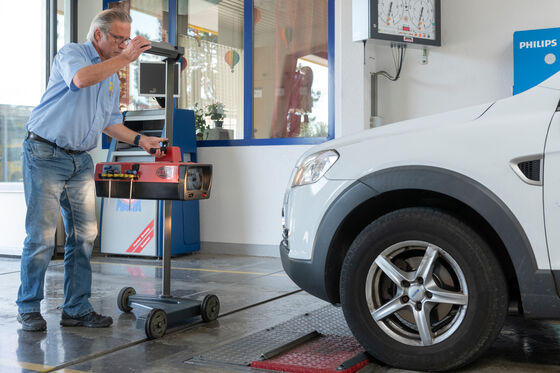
(210, 308)
(122, 299)
(156, 323)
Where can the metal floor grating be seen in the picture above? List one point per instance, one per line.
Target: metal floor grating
(328, 320)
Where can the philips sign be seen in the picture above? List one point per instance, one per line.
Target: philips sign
(536, 57)
(538, 44)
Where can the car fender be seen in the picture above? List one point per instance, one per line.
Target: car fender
(537, 286)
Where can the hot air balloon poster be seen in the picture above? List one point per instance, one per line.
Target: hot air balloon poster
(256, 16)
(286, 35)
(232, 58)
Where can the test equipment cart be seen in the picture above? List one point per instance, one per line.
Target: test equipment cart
(165, 179)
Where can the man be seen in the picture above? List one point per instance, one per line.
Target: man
(81, 101)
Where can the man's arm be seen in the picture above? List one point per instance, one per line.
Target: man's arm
(96, 73)
(125, 134)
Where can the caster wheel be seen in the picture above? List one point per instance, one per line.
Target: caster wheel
(210, 308)
(122, 299)
(156, 323)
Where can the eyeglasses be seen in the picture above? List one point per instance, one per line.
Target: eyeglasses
(119, 39)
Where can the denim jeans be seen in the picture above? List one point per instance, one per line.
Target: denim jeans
(53, 181)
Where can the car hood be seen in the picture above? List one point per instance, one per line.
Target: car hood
(406, 127)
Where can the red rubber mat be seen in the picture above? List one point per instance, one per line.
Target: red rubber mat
(321, 355)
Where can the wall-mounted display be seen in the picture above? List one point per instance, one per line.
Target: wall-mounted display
(408, 21)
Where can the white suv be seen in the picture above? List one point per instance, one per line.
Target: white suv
(425, 231)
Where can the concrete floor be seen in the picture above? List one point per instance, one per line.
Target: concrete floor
(255, 294)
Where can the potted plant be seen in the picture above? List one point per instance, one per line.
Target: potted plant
(216, 112)
(200, 123)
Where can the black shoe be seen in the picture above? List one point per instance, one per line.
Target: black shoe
(91, 320)
(32, 321)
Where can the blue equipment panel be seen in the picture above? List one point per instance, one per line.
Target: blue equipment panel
(185, 219)
(536, 57)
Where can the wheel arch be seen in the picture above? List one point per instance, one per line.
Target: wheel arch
(412, 186)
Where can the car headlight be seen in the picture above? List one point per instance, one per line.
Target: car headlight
(314, 167)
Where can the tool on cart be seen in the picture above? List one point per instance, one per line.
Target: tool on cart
(166, 179)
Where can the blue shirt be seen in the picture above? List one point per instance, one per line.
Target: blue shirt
(71, 117)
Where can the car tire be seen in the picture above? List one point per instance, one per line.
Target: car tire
(421, 266)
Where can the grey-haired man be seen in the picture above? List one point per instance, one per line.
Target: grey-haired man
(81, 101)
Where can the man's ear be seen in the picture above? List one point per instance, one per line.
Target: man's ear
(98, 34)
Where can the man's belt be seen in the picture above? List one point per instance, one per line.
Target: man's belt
(34, 136)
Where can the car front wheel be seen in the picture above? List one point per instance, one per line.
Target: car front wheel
(421, 290)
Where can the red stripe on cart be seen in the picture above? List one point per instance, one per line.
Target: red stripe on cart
(142, 240)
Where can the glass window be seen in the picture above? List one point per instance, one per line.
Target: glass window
(59, 24)
(149, 19)
(23, 79)
(212, 71)
(290, 68)
(289, 58)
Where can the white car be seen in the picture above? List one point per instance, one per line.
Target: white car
(426, 231)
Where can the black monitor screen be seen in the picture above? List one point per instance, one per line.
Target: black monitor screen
(152, 79)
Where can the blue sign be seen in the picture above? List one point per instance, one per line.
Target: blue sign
(536, 57)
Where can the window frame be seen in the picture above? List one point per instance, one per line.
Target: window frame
(51, 28)
(248, 139)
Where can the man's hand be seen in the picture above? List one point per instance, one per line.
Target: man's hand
(95, 73)
(121, 132)
(149, 142)
(136, 47)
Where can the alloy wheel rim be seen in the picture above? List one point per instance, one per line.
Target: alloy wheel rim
(416, 293)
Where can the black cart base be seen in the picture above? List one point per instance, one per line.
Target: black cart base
(164, 311)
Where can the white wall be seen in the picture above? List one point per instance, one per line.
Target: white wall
(350, 71)
(12, 218)
(243, 214)
(474, 64)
